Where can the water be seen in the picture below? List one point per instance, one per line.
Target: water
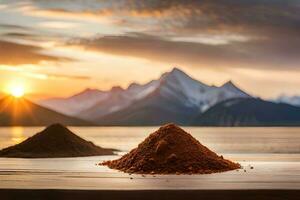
(221, 140)
(273, 152)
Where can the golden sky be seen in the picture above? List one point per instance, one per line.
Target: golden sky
(60, 47)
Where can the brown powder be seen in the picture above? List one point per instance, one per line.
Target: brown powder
(171, 150)
(53, 142)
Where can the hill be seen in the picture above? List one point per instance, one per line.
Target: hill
(249, 112)
(22, 112)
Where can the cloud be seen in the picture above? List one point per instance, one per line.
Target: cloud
(58, 25)
(260, 53)
(252, 33)
(13, 27)
(41, 75)
(23, 36)
(185, 16)
(266, 21)
(61, 76)
(17, 54)
(62, 10)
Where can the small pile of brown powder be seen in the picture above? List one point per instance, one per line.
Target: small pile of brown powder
(171, 150)
(53, 142)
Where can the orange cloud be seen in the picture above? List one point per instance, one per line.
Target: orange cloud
(17, 54)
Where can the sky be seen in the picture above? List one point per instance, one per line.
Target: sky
(60, 47)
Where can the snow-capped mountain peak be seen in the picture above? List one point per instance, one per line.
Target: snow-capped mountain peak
(230, 86)
(193, 93)
(181, 78)
(179, 85)
(175, 86)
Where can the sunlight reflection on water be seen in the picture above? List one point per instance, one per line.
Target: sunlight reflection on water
(17, 135)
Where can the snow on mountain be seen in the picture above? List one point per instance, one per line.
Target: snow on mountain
(174, 87)
(178, 84)
(230, 86)
(75, 104)
(92, 102)
(293, 100)
(118, 99)
(177, 98)
(193, 93)
(139, 91)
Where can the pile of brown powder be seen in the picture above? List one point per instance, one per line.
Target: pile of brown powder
(171, 150)
(53, 142)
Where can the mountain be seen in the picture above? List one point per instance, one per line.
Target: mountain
(230, 86)
(293, 100)
(174, 97)
(177, 98)
(21, 112)
(249, 112)
(93, 102)
(76, 103)
(55, 141)
(118, 99)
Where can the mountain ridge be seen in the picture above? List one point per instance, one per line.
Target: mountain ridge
(249, 112)
(190, 96)
(22, 112)
(293, 100)
(167, 103)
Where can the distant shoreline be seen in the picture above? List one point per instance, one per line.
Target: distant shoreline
(33, 194)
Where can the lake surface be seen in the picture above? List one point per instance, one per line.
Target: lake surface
(222, 140)
(273, 152)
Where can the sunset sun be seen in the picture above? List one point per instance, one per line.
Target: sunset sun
(16, 90)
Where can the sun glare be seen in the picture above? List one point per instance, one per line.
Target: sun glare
(17, 90)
